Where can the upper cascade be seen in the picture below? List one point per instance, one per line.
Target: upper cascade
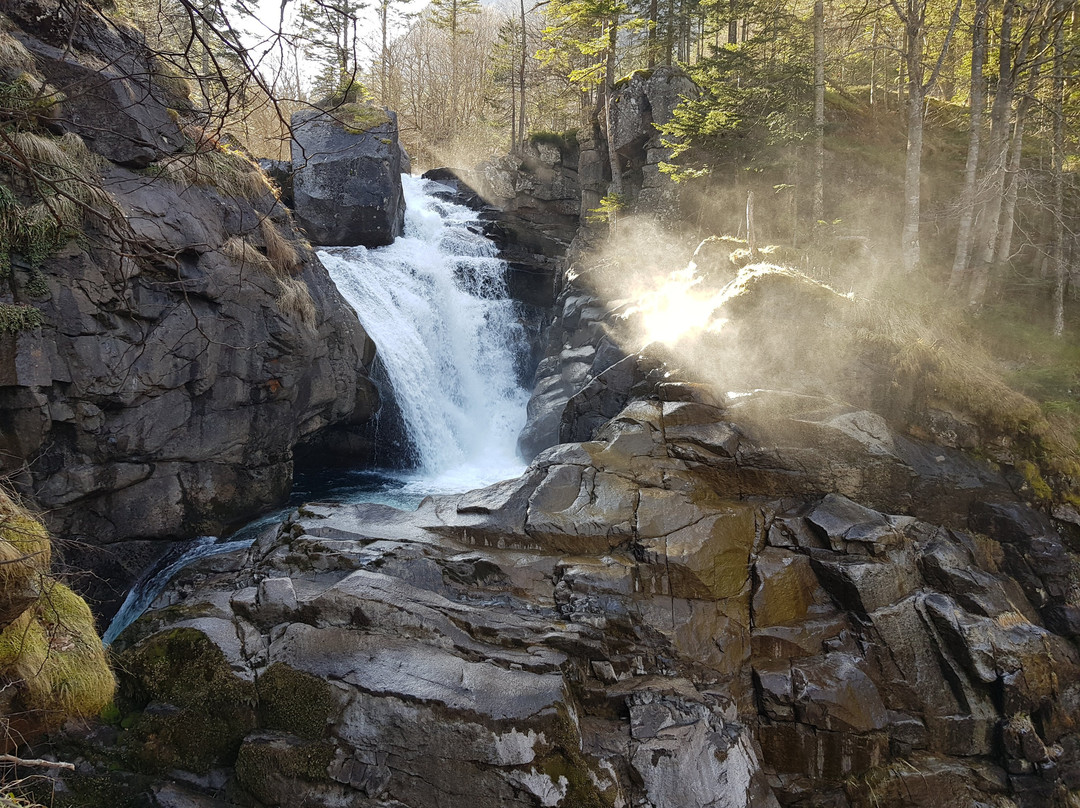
(436, 303)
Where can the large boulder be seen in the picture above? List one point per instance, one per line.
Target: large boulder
(347, 181)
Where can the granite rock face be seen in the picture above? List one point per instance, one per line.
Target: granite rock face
(347, 176)
(171, 379)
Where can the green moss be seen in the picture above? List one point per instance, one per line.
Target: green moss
(1039, 487)
(358, 118)
(265, 761)
(53, 656)
(564, 141)
(195, 711)
(16, 317)
(293, 702)
(565, 760)
(95, 791)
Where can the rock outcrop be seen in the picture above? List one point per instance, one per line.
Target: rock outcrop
(347, 166)
(642, 102)
(190, 338)
(693, 599)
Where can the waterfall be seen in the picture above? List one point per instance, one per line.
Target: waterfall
(436, 305)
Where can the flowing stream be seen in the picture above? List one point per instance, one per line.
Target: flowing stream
(436, 305)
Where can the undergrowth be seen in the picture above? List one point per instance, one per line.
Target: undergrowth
(211, 162)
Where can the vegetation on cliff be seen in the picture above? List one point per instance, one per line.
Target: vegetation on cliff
(52, 665)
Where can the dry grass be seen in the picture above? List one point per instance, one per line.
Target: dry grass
(282, 254)
(246, 254)
(293, 298)
(212, 163)
(14, 56)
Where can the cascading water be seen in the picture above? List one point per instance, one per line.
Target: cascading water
(435, 303)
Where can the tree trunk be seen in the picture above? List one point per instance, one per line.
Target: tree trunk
(909, 238)
(733, 25)
(1057, 104)
(654, 13)
(819, 111)
(959, 274)
(997, 154)
(616, 188)
(522, 131)
(751, 235)
(384, 56)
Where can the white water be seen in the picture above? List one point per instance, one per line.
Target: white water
(435, 303)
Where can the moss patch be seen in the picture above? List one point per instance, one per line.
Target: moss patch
(293, 702)
(52, 665)
(265, 761)
(195, 712)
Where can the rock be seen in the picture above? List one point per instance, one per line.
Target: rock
(171, 380)
(347, 175)
(281, 173)
(103, 71)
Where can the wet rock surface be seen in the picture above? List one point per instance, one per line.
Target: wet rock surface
(623, 625)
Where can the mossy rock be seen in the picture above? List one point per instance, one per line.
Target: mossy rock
(52, 665)
(358, 118)
(113, 790)
(271, 766)
(195, 711)
(293, 702)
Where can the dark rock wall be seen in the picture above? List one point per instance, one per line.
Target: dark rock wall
(163, 395)
(347, 181)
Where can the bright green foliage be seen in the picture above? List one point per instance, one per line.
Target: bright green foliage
(746, 113)
(608, 209)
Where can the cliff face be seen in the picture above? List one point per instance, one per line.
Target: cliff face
(190, 338)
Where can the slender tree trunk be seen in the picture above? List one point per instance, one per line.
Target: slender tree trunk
(1057, 104)
(997, 156)
(819, 111)
(909, 238)
(654, 12)
(733, 25)
(521, 78)
(873, 63)
(1012, 189)
(616, 187)
(384, 56)
(958, 277)
(751, 234)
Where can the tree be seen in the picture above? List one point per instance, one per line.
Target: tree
(913, 15)
(328, 31)
(451, 15)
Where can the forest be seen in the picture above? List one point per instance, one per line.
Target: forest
(955, 123)
(458, 404)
